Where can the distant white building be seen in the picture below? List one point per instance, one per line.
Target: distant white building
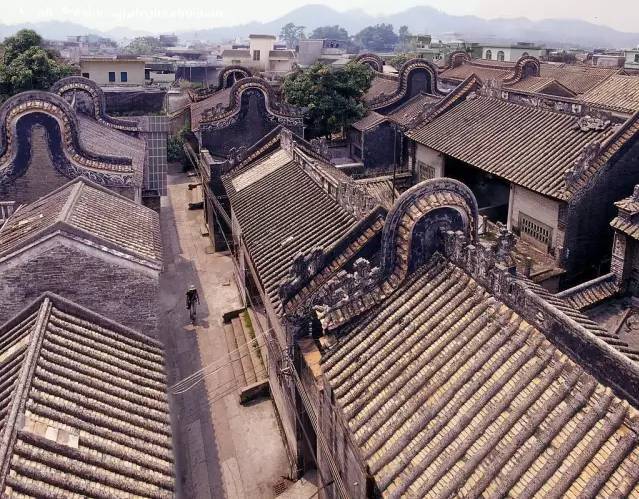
(113, 70)
(632, 58)
(512, 53)
(324, 50)
(261, 55)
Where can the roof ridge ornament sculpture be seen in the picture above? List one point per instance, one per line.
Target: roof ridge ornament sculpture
(68, 87)
(346, 286)
(457, 58)
(76, 160)
(588, 123)
(223, 81)
(588, 155)
(424, 210)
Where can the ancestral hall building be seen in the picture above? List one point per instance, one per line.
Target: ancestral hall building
(445, 373)
(383, 322)
(87, 244)
(548, 167)
(49, 138)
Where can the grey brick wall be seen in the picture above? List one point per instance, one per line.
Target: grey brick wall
(118, 292)
(588, 233)
(40, 178)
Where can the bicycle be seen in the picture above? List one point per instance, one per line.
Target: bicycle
(192, 299)
(192, 311)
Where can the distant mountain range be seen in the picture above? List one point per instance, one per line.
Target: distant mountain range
(421, 19)
(59, 30)
(427, 20)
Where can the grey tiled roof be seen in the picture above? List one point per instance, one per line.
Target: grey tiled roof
(91, 212)
(381, 84)
(282, 211)
(404, 114)
(84, 411)
(485, 70)
(447, 392)
(104, 140)
(531, 147)
(591, 293)
(371, 120)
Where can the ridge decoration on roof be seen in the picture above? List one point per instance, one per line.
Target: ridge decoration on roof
(54, 111)
(405, 79)
(456, 58)
(226, 79)
(426, 207)
(84, 410)
(72, 85)
(375, 62)
(222, 116)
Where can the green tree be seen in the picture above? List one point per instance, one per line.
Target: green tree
(404, 36)
(27, 65)
(144, 45)
(379, 37)
(333, 98)
(331, 32)
(292, 34)
(398, 60)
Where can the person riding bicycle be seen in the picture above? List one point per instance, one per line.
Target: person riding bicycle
(192, 299)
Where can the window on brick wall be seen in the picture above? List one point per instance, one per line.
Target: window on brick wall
(636, 57)
(256, 55)
(85, 75)
(425, 171)
(124, 77)
(535, 231)
(111, 76)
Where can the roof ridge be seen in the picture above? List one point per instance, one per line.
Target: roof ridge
(21, 389)
(71, 201)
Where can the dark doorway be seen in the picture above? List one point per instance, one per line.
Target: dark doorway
(491, 192)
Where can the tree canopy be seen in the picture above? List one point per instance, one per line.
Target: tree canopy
(292, 34)
(144, 45)
(333, 97)
(398, 60)
(335, 32)
(379, 37)
(27, 65)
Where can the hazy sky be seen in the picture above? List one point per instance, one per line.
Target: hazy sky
(171, 15)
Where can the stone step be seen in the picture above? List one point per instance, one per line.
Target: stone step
(245, 355)
(253, 346)
(238, 372)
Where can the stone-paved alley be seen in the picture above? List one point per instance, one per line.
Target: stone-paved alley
(222, 449)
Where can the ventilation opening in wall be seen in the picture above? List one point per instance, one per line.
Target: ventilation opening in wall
(535, 232)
